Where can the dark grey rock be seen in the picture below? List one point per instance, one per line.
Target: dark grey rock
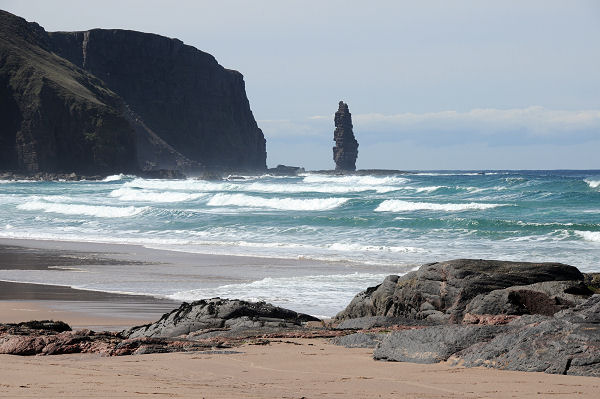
(374, 301)
(568, 343)
(359, 340)
(364, 323)
(545, 298)
(345, 151)
(431, 344)
(219, 313)
(441, 291)
(284, 170)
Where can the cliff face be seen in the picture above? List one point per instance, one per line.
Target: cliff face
(182, 94)
(345, 151)
(54, 117)
(106, 101)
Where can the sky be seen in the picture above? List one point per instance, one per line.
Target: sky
(470, 84)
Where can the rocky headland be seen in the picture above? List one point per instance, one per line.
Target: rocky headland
(506, 315)
(115, 101)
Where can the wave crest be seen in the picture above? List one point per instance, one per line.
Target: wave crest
(101, 211)
(286, 204)
(356, 180)
(129, 194)
(593, 236)
(592, 183)
(402, 206)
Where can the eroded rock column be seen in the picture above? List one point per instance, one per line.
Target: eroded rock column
(345, 151)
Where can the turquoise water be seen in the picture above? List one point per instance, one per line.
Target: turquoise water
(375, 222)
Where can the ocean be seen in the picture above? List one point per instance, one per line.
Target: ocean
(362, 227)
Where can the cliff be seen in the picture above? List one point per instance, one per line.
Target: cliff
(182, 94)
(54, 117)
(106, 101)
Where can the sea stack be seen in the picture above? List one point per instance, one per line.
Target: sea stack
(345, 151)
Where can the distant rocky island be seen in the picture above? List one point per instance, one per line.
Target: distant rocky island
(109, 101)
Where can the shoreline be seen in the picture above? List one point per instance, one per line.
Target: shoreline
(202, 270)
(59, 262)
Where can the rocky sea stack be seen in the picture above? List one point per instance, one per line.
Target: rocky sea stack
(345, 151)
(105, 101)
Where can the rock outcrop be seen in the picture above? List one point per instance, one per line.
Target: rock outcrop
(566, 343)
(450, 291)
(219, 313)
(507, 315)
(345, 151)
(108, 101)
(199, 326)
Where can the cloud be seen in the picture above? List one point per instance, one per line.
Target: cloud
(533, 120)
(281, 128)
(494, 127)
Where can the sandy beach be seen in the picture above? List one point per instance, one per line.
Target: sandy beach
(291, 369)
(295, 368)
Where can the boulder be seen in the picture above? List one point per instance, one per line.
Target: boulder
(431, 344)
(365, 323)
(567, 343)
(219, 313)
(545, 298)
(441, 291)
(359, 340)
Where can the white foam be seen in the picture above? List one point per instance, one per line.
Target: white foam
(449, 174)
(192, 185)
(372, 248)
(592, 183)
(288, 204)
(429, 189)
(314, 187)
(118, 177)
(315, 294)
(593, 236)
(133, 195)
(101, 211)
(403, 206)
(356, 180)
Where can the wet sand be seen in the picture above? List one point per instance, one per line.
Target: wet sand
(208, 270)
(80, 308)
(18, 311)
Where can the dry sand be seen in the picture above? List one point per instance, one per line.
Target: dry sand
(292, 369)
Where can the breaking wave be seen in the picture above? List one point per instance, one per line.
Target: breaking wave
(317, 294)
(101, 211)
(129, 194)
(356, 180)
(402, 206)
(592, 183)
(593, 236)
(287, 204)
